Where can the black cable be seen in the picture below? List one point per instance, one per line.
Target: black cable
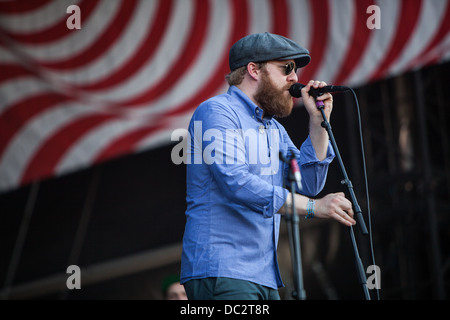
(366, 186)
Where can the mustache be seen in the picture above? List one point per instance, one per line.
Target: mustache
(288, 86)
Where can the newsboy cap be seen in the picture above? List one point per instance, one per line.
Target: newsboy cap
(260, 47)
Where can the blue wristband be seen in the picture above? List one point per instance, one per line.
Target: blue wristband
(310, 209)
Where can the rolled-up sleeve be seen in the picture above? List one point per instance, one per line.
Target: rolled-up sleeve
(280, 195)
(313, 171)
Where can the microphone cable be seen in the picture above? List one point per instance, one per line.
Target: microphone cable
(367, 190)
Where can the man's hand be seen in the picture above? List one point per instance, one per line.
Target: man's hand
(318, 135)
(335, 206)
(310, 103)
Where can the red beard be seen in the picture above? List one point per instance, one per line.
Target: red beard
(273, 100)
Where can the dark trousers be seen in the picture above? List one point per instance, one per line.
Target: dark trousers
(228, 289)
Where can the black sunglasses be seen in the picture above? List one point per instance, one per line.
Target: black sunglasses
(288, 68)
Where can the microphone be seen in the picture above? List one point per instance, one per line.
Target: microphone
(295, 90)
(295, 170)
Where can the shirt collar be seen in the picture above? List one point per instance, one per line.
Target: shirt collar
(254, 110)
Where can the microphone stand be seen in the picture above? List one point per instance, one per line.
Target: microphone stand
(292, 222)
(358, 215)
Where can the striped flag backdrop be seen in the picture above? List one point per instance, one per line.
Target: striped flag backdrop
(136, 70)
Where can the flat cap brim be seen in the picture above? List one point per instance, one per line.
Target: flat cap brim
(260, 47)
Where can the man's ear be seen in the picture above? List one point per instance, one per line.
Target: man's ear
(253, 70)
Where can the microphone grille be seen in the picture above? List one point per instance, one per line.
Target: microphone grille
(295, 90)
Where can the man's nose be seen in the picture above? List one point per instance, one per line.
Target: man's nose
(292, 77)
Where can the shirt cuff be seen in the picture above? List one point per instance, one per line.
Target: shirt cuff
(280, 195)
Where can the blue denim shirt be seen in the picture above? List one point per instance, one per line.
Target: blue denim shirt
(235, 187)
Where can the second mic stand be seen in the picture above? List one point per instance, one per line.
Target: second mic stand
(292, 223)
(346, 181)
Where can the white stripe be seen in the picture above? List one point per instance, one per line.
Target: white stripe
(430, 18)
(380, 41)
(300, 24)
(340, 27)
(259, 15)
(31, 21)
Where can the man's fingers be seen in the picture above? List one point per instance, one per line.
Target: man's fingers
(325, 96)
(344, 211)
(337, 207)
(350, 212)
(349, 218)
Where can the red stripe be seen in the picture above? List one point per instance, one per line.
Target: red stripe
(409, 14)
(187, 57)
(320, 16)
(18, 7)
(17, 115)
(358, 45)
(10, 72)
(142, 54)
(105, 40)
(44, 161)
(55, 31)
(132, 139)
(280, 17)
(441, 34)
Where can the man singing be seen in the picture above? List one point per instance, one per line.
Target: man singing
(235, 181)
